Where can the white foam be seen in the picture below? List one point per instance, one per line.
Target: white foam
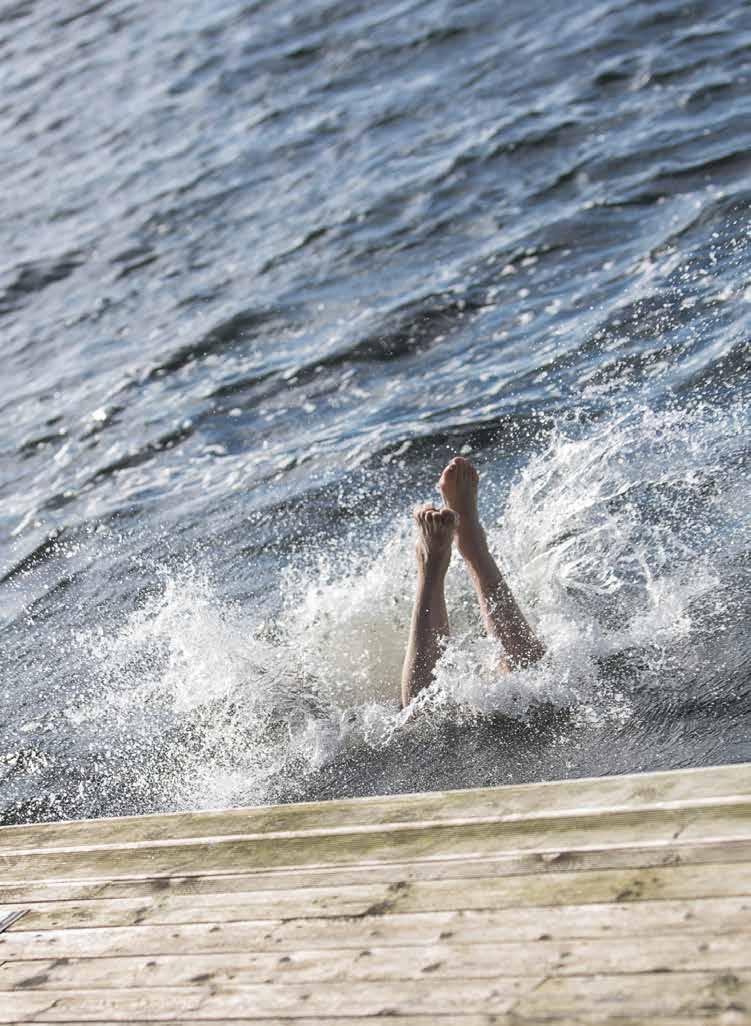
(595, 556)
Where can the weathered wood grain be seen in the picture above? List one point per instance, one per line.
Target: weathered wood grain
(703, 997)
(606, 922)
(583, 888)
(445, 960)
(423, 997)
(732, 1018)
(573, 860)
(564, 797)
(728, 820)
(474, 1019)
(624, 900)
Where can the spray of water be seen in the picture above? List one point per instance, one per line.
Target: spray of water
(612, 536)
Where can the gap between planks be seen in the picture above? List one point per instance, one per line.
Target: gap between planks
(506, 865)
(684, 805)
(603, 922)
(569, 795)
(593, 999)
(731, 802)
(447, 960)
(373, 999)
(360, 900)
(476, 839)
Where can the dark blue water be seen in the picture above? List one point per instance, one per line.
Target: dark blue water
(265, 268)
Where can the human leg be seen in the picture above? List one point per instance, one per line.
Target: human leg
(504, 619)
(430, 626)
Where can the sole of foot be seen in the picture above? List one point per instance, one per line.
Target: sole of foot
(458, 485)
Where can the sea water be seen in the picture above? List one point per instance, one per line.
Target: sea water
(266, 268)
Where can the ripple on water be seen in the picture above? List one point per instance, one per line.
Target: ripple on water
(265, 270)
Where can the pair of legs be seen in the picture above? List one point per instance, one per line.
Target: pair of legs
(430, 626)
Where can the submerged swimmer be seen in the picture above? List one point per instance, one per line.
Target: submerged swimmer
(503, 618)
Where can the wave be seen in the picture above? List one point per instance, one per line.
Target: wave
(34, 276)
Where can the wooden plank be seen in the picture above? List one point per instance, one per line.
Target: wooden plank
(447, 960)
(450, 1018)
(396, 828)
(473, 839)
(565, 915)
(424, 997)
(597, 921)
(706, 997)
(560, 797)
(648, 998)
(434, 869)
(474, 1019)
(588, 887)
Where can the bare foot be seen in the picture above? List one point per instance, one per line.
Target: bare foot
(435, 535)
(458, 486)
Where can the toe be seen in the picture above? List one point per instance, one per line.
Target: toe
(448, 517)
(434, 519)
(420, 511)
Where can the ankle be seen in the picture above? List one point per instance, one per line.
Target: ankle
(471, 539)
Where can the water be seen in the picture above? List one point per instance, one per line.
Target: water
(265, 268)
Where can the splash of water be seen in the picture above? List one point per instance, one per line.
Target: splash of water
(611, 536)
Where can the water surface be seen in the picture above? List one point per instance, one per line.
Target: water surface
(265, 268)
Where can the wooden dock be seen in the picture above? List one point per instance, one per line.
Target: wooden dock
(615, 900)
